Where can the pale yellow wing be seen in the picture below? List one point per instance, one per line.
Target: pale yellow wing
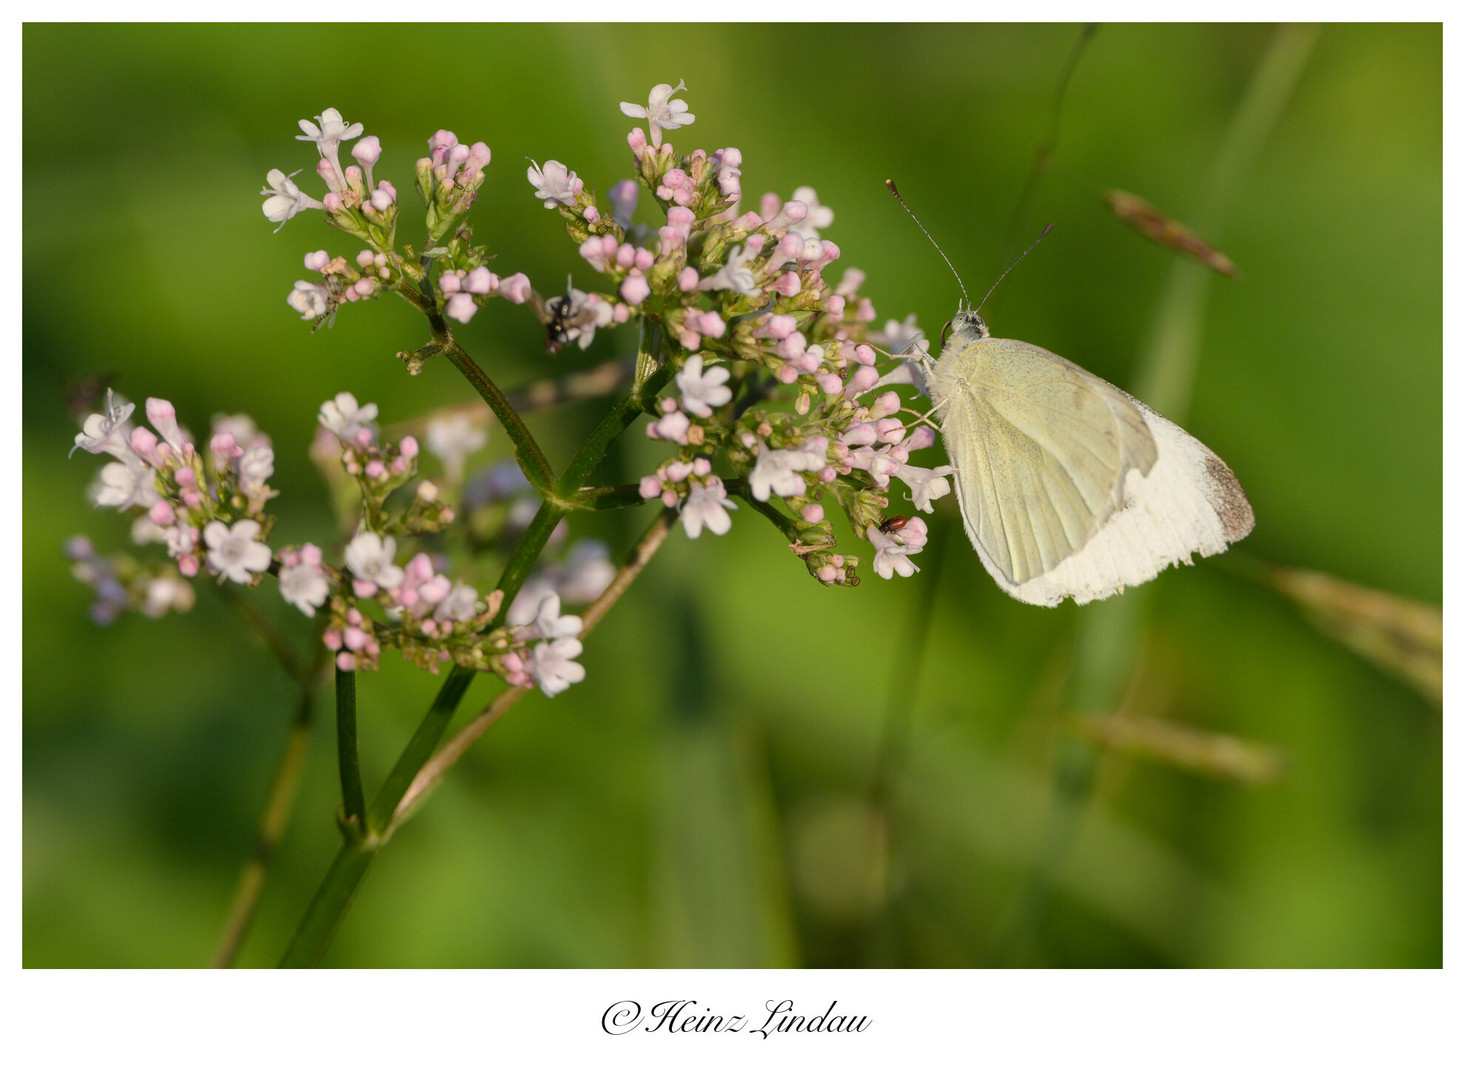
(1041, 448)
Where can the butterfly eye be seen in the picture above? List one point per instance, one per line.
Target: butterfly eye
(945, 333)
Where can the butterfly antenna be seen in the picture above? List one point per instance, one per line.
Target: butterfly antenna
(965, 298)
(1046, 230)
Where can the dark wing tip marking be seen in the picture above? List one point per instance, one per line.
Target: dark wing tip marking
(1228, 500)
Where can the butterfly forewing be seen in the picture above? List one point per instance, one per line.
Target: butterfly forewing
(1045, 448)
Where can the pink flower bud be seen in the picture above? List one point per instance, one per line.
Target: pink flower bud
(367, 151)
(635, 288)
(479, 281)
(460, 307)
(863, 379)
(515, 288)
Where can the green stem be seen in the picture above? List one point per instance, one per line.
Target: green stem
(521, 562)
(738, 487)
(331, 901)
(353, 799)
(329, 906)
(276, 817)
(611, 497)
(424, 740)
(531, 458)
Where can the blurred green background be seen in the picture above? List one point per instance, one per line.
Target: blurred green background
(757, 770)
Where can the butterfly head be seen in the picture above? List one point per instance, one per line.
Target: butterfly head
(966, 324)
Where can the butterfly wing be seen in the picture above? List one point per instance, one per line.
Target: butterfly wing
(1068, 486)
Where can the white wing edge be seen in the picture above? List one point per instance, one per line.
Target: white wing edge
(1189, 504)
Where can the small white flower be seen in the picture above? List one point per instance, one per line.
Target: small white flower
(707, 504)
(549, 623)
(305, 585)
(181, 540)
(818, 217)
(146, 531)
(310, 299)
(587, 571)
(554, 666)
(328, 135)
(879, 463)
(900, 336)
(702, 392)
(893, 549)
(659, 112)
(165, 594)
(285, 200)
(125, 484)
(554, 183)
(452, 438)
(342, 417)
(925, 484)
(526, 603)
(256, 466)
(777, 471)
(369, 558)
(234, 553)
(460, 605)
(106, 433)
(734, 275)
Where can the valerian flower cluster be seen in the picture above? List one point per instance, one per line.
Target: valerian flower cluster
(761, 377)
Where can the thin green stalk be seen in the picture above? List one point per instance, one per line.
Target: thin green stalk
(610, 497)
(355, 856)
(329, 905)
(353, 799)
(424, 740)
(782, 522)
(278, 808)
(531, 458)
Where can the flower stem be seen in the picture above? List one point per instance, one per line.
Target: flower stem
(328, 906)
(278, 807)
(788, 526)
(353, 799)
(531, 458)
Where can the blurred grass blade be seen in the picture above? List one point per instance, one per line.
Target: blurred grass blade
(1167, 232)
(1183, 747)
(1401, 636)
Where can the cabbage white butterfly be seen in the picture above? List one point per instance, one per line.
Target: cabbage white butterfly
(1068, 486)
